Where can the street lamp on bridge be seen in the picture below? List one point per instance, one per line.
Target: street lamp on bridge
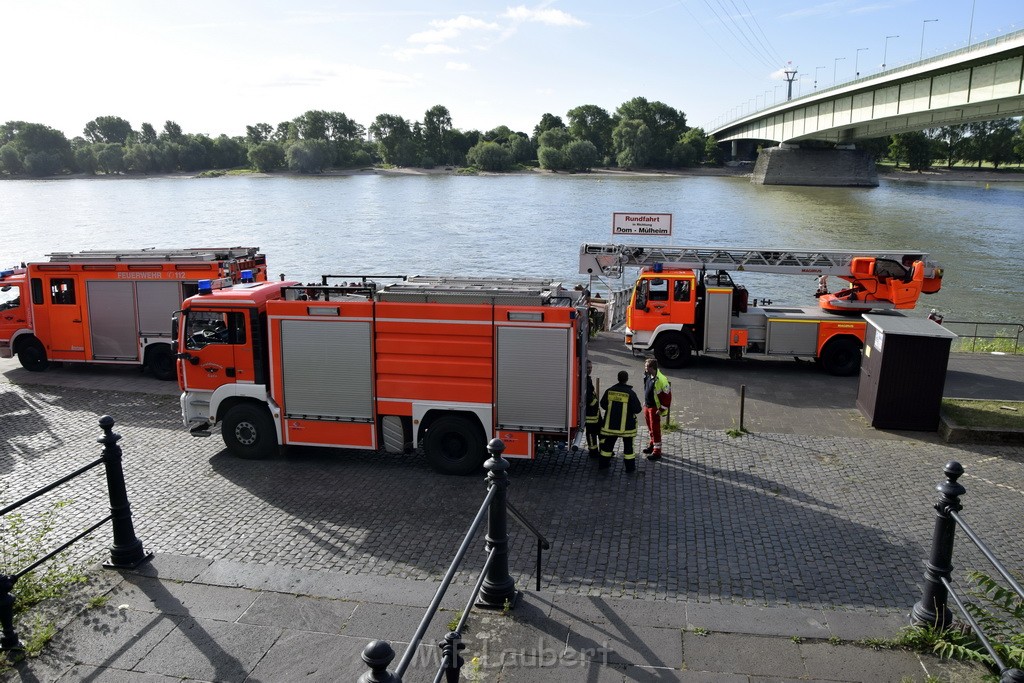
(816, 76)
(923, 25)
(885, 53)
(835, 65)
(856, 60)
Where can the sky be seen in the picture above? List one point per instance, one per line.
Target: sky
(217, 66)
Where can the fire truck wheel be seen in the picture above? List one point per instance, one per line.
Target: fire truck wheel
(841, 357)
(248, 432)
(672, 350)
(32, 355)
(455, 446)
(161, 363)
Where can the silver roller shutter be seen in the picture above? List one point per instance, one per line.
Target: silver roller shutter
(112, 323)
(157, 301)
(327, 369)
(533, 385)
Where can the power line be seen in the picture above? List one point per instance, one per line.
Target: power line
(733, 33)
(770, 47)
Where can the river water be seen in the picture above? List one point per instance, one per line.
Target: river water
(530, 225)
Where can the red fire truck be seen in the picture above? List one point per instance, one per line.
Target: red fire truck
(442, 363)
(685, 300)
(109, 306)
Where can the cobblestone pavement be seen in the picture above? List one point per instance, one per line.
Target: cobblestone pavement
(770, 518)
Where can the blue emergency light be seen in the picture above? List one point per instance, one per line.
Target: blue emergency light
(205, 287)
(246, 276)
(657, 267)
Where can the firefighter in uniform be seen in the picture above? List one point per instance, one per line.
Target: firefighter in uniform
(620, 405)
(593, 426)
(657, 398)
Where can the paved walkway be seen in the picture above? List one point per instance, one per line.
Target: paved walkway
(759, 558)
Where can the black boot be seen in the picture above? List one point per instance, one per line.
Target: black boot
(649, 449)
(604, 463)
(630, 466)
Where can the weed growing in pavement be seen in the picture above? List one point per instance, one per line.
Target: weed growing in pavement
(737, 432)
(797, 639)
(97, 601)
(835, 640)
(700, 631)
(25, 543)
(454, 623)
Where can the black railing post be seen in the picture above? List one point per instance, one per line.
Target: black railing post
(377, 655)
(9, 640)
(450, 648)
(933, 610)
(127, 552)
(498, 589)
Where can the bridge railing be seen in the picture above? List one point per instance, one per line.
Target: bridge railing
(973, 47)
(933, 610)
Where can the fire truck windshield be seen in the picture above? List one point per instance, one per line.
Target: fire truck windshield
(208, 327)
(10, 297)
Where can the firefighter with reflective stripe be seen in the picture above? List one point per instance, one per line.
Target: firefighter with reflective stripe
(657, 399)
(593, 416)
(620, 405)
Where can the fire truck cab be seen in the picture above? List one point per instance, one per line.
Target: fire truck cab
(442, 363)
(108, 306)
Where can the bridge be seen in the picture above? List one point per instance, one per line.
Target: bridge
(979, 83)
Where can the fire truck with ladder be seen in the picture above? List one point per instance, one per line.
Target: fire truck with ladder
(382, 362)
(109, 306)
(685, 300)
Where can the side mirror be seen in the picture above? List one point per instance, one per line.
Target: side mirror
(174, 330)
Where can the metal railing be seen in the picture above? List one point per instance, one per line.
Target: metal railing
(973, 331)
(933, 610)
(125, 553)
(495, 587)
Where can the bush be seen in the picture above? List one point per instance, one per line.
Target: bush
(266, 156)
(489, 156)
(580, 155)
(40, 164)
(552, 159)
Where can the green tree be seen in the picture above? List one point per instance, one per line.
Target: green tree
(976, 146)
(437, 133)
(580, 155)
(591, 122)
(109, 129)
(664, 123)
(1018, 141)
(713, 154)
(915, 148)
(552, 159)
(266, 156)
(390, 130)
(632, 142)
(554, 137)
(228, 152)
(141, 158)
(309, 156)
(147, 133)
(258, 133)
(489, 156)
(42, 164)
(172, 132)
(547, 122)
(10, 159)
(520, 147)
(85, 159)
(999, 142)
(110, 157)
(34, 138)
(194, 155)
(951, 139)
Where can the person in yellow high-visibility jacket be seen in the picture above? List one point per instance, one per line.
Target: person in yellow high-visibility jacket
(657, 399)
(620, 405)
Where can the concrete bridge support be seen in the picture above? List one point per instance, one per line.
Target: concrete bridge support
(791, 165)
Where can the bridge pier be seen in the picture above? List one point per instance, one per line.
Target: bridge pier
(792, 165)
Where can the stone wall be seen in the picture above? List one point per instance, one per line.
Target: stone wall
(831, 167)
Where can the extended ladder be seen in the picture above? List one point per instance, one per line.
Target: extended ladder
(609, 260)
(151, 255)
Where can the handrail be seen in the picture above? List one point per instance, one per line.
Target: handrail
(435, 602)
(932, 610)
(975, 337)
(494, 587)
(125, 553)
(542, 543)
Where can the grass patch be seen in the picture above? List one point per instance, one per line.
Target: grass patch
(977, 414)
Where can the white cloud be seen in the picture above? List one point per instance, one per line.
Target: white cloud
(406, 54)
(457, 66)
(552, 17)
(449, 29)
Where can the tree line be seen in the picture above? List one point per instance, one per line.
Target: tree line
(639, 134)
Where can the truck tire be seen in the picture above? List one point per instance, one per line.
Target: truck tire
(32, 355)
(161, 362)
(454, 445)
(672, 349)
(841, 357)
(248, 432)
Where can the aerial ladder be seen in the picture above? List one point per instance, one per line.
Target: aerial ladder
(685, 300)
